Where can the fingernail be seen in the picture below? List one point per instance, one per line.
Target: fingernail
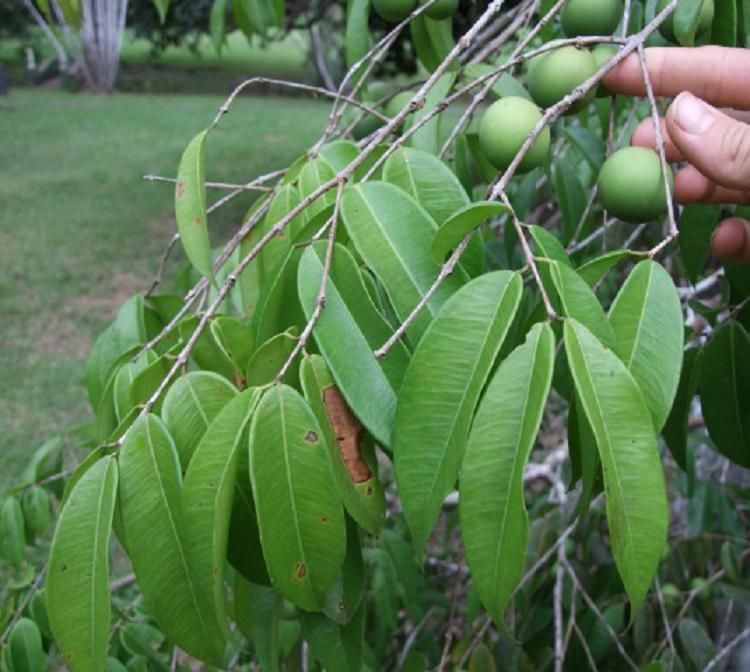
(692, 115)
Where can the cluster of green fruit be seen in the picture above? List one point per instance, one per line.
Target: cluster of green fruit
(631, 181)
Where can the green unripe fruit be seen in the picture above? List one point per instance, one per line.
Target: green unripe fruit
(553, 75)
(704, 23)
(602, 53)
(591, 17)
(631, 185)
(504, 128)
(442, 9)
(25, 648)
(394, 10)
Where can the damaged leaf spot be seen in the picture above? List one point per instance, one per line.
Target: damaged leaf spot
(323, 519)
(300, 571)
(348, 431)
(180, 189)
(311, 436)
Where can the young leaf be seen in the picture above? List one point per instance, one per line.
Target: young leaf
(675, 430)
(440, 391)
(725, 391)
(360, 489)
(348, 331)
(633, 477)
(77, 588)
(299, 514)
(207, 496)
(393, 234)
(646, 317)
(154, 523)
(190, 205)
(494, 521)
(453, 230)
(190, 406)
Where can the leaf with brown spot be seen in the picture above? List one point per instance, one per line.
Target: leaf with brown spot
(190, 205)
(360, 489)
(293, 488)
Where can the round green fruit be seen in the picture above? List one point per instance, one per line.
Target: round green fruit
(591, 17)
(602, 53)
(394, 10)
(553, 75)
(704, 23)
(442, 9)
(504, 128)
(631, 185)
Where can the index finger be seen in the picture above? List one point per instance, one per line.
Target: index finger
(718, 75)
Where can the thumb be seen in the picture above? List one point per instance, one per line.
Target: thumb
(717, 145)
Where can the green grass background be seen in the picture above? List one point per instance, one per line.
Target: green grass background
(80, 230)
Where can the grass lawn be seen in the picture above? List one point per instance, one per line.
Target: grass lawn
(80, 230)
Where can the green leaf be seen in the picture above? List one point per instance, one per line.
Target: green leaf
(580, 303)
(571, 195)
(440, 391)
(393, 235)
(123, 383)
(77, 587)
(590, 145)
(190, 406)
(724, 26)
(360, 489)
(235, 339)
(346, 594)
(427, 138)
(207, 496)
(155, 528)
(72, 12)
(697, 224)
(598, 267)
(636, 499)
(676, 428)
(725, 391)
(190, 205)
(546, 245)
(141, 639)
(162, 6)
(646, 317)
(453, 230)
(313, 174)
(257, 612)
(348, 331)
(494, 521)
(271, 255)
(25, 650)
(36, 513)
(337, 648)
(696, 643)
(504, 87)
(299, 514)
(357, 35)
(206, 353)
(269, 358)
(218, 24)
(12, 531)
(423, 44)
(685, 20)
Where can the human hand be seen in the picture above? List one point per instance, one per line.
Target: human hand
(714, 142)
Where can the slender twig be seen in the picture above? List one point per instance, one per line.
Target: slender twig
(250, 186)
(586, 649)
(162, 264)
(320, 301)
(665, 617)
(726, 650)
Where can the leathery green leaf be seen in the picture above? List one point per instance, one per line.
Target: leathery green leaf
(494, 521)
(257, 612)
(348, 331)
(12, 531)
(634, 487)
(393, 235)
(207, 496)
(77, 589)
(153, 520)
(357, 35)
(440, 391)
(676, 428)
(25, 652)
(725, 391)
(646, 317)
(190, 406)
(337, 648)
(459, 224)
(431, 183)
(190, 205)
(269, 358)
(345, 595)
(360, 489)
(300, 516)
